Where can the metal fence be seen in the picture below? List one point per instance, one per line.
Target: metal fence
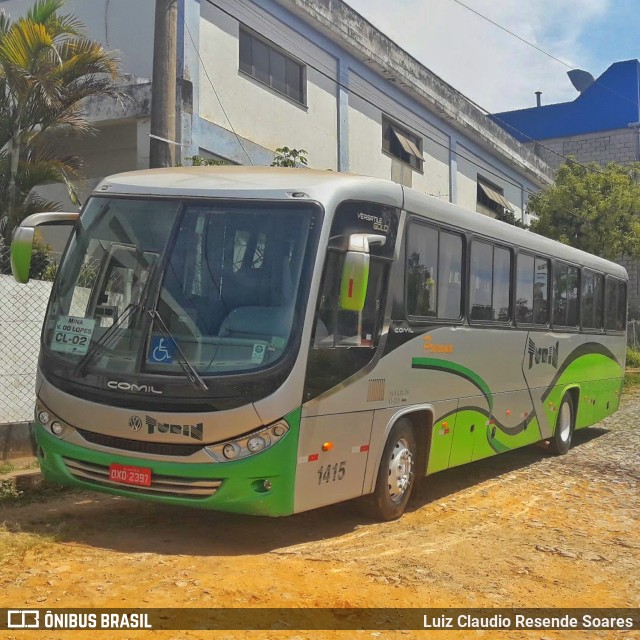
(22, 309)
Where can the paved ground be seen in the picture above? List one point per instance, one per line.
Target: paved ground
(521, 529)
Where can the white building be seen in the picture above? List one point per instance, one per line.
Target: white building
(311, 74)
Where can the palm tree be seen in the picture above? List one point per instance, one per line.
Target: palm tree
(47, 69)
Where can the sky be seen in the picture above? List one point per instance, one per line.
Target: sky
(494, 68)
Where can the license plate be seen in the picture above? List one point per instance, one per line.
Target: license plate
(126, 474)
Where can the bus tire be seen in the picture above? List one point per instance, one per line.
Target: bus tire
(565, 424)
(395, 475)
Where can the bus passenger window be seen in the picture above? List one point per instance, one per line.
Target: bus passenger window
(565, 295)
(422, 271)
(541, 292)
(489, 282)
(433, 273)
(524, 289)
(532, 290)
(592, 307)
(616, 304)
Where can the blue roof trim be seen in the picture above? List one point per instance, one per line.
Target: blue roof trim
(611, 102)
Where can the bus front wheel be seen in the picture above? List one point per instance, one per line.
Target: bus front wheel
(565, 424)
(395, 475)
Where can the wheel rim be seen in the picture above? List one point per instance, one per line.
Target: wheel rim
(564, 422)
(400, 470)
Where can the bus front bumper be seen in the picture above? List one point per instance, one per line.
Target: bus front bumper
(262, 484)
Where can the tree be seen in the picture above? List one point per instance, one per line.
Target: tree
(47, 69)
(592, 208)
(510, 218)
(286, 157)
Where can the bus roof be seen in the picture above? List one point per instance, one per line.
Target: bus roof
(330, 187)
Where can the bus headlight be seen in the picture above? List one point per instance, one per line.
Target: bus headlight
(249, 444)
(57, 428)
(51, 422)
(255, 444)
(230, 452)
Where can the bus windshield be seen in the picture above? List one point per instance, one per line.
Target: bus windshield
(147, 286)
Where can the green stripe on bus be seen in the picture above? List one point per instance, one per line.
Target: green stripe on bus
(458, 370)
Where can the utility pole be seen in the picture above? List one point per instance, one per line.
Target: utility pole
(163, 88)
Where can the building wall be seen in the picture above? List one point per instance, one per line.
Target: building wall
(340, 127)
(602, 147)
(122, 26)
(233, 100)
(367, 105)
(225, 113)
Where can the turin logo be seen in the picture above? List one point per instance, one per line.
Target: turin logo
(543, 355)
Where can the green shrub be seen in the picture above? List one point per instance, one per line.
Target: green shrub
(633, 358)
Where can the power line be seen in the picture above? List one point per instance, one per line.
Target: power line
(327, 74)
(537, 48)
(511, 33)
(482, 109)
(350, 88)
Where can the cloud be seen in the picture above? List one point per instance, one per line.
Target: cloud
(485, 63)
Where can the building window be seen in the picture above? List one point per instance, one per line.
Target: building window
(491, 200)
(265, 62)
(401, 144)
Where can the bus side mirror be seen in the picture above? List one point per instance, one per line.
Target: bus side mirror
(21, 248)
(355, 277)
(355, 272)
(22, 243)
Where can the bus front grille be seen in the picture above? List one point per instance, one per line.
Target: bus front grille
(155, 448)
(160, 485)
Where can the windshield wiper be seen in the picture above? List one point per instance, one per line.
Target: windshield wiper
(190, 371)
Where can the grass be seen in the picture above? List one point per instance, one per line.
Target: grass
(633, 358)
(9, 496)
(15, 544)
(8, 491)
(632, 375)
(631, 382)
(6, 467)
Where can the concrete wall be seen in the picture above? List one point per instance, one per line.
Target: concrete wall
(252, 109)
(603, 147)
(348, 94)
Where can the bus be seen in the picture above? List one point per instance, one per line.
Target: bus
(268, 341)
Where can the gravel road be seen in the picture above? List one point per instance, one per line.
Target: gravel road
(524, 529)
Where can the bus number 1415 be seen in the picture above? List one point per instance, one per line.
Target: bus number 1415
(332, 472)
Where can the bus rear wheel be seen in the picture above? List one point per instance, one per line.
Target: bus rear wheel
(565, 424)
(395, 475)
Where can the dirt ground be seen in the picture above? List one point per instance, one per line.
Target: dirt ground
(523, 529)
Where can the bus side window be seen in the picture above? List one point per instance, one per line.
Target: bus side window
(433, 273)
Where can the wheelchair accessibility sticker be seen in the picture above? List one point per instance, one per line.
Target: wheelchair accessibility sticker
(161, 350)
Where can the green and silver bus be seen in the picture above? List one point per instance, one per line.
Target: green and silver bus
(269, 341)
